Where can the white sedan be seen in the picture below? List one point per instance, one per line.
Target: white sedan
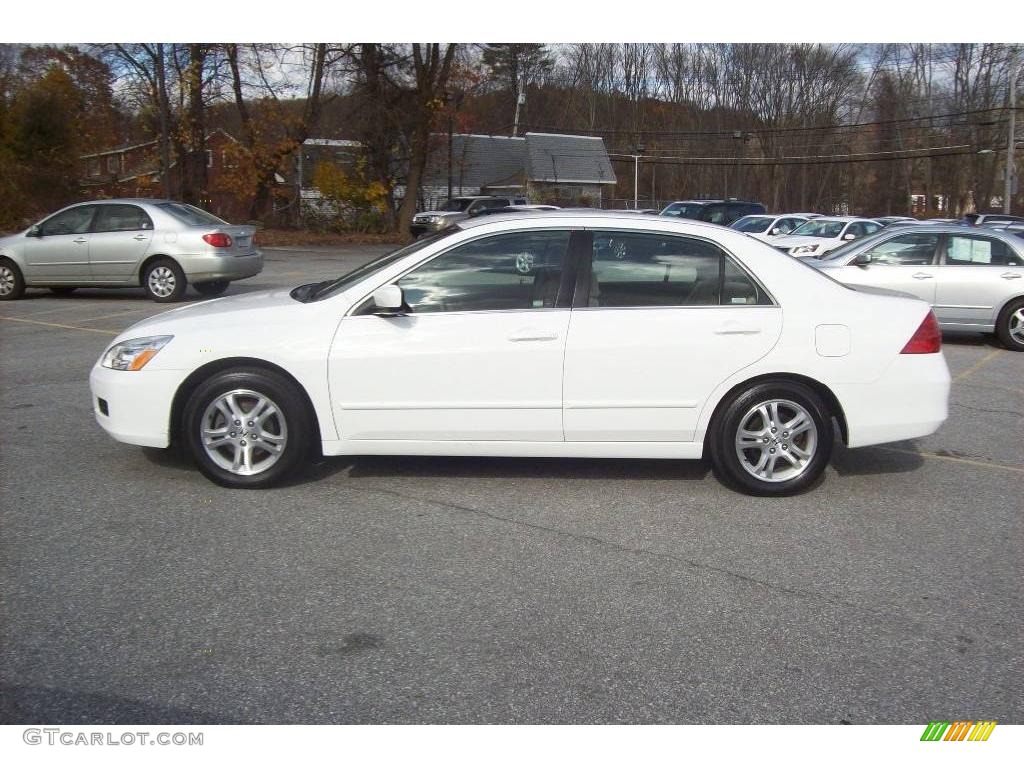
(689, 341)
(819, 236)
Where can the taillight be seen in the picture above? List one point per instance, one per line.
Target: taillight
(218, 240)
(927, 339)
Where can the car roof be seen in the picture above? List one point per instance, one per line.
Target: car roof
(581, 213)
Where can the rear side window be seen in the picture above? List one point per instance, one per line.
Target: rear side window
(189, 214)
(121, 218)
(913, 249)
(648, 270)
(975, 250)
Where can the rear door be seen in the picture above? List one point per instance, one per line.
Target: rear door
(906, 263)
(121, 237)
(61, 251)
(658, 322)
(978, 274)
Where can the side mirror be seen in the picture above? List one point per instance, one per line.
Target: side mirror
(776, 230)
(34, 231)
(388, 300)
(863, 260)
(849, 236)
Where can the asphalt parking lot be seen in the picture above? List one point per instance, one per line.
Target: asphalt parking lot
(496, 590)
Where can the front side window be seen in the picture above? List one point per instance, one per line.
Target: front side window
(121, 218)
(649, 270)
(870, 227)
(684, 210)
(786, 226)
(521, 270)
(909, 249)
(973, 250)
(74, 221)
(456, 205)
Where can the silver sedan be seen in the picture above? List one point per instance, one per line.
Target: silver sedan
(161, 245)
(972, 277)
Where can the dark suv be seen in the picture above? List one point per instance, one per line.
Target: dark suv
(723, 212)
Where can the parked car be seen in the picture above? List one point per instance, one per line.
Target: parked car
(983, 219)
(767, 227)
(719, 347)
(888, 221)
(723, 212)
(161, 245)
(458, 209)
(974, 279)
(819, 236)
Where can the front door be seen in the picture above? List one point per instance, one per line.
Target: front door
(905, 263)
(663, 320)
(121, 236)
(61, 251)
(478, 356)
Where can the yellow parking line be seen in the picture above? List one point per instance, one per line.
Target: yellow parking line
(59, 325)
(957, 459)
(974, 368)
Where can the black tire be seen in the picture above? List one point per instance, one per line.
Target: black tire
(1011, 321)
(63, 290)
(12, 283)
(742, 408)
(292, 419)
(164, 281)
(212, 288)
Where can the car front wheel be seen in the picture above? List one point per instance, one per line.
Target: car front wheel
(772, 439)
(247, 428)
(1010, 326)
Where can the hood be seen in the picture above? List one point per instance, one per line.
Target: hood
(11, 239)
(249, 309)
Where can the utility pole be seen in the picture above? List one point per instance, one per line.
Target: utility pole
(636, 175)
(520, 100)
(1010, 139)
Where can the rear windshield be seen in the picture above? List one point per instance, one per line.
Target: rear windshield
(752, 223)
(189, 214)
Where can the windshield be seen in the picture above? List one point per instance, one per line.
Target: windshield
(753, 223)
(456, 204)
(189, 214)
(819, 228)
(317, 291)
(683, 210)
(844, 250)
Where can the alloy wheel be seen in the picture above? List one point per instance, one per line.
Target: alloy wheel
(1016, 326)
(6, 280)
(776, 440)
(162, 282)
(243, 432)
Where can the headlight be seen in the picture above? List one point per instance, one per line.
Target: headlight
(132, 355)
(804, 249)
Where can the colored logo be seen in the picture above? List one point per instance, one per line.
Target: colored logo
(958, 730)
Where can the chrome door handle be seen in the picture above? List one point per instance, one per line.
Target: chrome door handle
(732, 330)
(141, 237)
(922, 276)
(533, 336)
(80, 240)
(1011, 275)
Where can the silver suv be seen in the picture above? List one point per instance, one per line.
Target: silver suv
(161, 245)
(457, 209)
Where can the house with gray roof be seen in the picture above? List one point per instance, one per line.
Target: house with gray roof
(545, 167)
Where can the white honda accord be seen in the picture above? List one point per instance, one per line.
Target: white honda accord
(629, 336)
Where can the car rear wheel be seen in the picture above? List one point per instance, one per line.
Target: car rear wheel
(247, 428)
(772, 439)
(164, 281)
(12, 284)
(212, 287)
(1010, 326)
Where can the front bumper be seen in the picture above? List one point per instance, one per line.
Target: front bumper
(137, 403)
(202, 268)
